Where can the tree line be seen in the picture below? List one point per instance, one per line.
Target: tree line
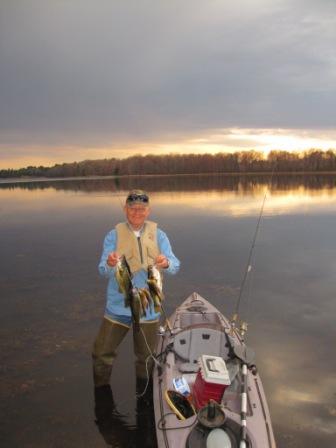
(314, 160)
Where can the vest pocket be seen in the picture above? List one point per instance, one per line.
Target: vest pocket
(151, 255)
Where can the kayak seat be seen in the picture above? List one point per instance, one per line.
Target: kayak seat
(191, 343)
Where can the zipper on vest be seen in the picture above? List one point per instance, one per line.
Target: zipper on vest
(140, 249)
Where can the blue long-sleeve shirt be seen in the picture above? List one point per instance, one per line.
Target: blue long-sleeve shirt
(115, 307)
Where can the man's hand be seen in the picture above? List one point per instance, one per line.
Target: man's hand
(112, 259)
(161, 261)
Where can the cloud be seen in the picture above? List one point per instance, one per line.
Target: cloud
(109, 74)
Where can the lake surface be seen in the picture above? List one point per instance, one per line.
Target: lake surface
(52, 298)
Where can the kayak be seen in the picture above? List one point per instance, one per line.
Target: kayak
(207, 391)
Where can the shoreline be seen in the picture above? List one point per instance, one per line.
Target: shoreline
(246, 173)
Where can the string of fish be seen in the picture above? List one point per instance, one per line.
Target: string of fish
(139, 299)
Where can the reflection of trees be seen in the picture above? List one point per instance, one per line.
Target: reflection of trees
(242, 183)
(239, 162)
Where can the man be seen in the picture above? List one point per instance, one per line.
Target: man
(143, 244)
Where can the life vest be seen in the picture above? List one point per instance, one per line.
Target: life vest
(139, 251)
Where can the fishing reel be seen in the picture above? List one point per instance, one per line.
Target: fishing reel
(239, 325)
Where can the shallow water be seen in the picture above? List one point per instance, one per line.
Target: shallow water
(52, 298)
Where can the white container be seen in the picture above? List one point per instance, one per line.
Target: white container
(181, 385)
(213, 370)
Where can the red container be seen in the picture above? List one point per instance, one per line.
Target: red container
(211, 380)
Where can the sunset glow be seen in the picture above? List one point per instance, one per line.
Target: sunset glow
(262, 140)
(212, 141)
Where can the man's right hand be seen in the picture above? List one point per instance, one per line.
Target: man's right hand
(112, 259)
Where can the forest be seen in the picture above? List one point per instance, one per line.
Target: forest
(311, 161)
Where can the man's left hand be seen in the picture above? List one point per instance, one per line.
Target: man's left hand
(161, 261)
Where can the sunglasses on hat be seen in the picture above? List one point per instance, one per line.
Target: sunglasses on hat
(134, 197)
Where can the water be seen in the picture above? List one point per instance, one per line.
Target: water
(52, 298)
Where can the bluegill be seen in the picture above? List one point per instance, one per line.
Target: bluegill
(146, 300)
(155, 287)
(136, 307)
(124, 278)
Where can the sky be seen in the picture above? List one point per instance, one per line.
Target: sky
(89, 80)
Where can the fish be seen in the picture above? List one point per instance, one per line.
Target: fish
(146, 300)
(155, 287)
(124, 279)
(136, 300)
(136, 308)
(154, 273)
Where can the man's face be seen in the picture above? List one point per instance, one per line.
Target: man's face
(136, 214)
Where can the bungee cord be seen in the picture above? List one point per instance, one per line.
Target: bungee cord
(151, 355)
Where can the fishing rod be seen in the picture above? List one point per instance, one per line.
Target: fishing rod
(248, 264)
(243, 325)
(248, 268)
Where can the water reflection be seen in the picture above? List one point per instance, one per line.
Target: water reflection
(219, 182)
(230, 195)
(114, 426)
(52, 299)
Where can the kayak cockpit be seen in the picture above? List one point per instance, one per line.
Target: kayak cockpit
(191, 343)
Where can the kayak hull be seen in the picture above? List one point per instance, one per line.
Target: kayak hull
(198, 328)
